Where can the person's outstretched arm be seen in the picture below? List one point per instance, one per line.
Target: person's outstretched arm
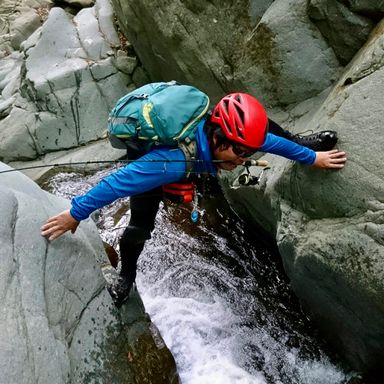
(137, 177)
(333, 159)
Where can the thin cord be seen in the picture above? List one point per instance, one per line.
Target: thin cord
(112, 162)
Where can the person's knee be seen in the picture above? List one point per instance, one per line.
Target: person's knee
(135, 235)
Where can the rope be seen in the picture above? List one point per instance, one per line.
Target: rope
(111, 162)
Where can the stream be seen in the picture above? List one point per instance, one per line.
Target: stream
(218, 295)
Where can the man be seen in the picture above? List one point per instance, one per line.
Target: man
(237, 128)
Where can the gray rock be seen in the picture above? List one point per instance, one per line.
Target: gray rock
(54, 302)
(344, 30)
(372, 8)
(286, 64)
(214, 46)
(125, 63)
(62, 55)
(10, 67)
(91, 40)
(170, 41)
(18, 20)
(103, 69)
(329, 225)
(257, 9)
(22, 26)
(17, 141)
(105, 16)
(96, 30)
(31, 41)
(68, 86)
(97, 151)
(140, 77)
(5, 106)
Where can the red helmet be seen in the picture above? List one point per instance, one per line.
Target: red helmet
(242, 118)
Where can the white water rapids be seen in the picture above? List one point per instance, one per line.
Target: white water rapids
(221, 303)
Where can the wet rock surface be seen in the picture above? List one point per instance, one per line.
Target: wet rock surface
(54, 303)
(329, 224)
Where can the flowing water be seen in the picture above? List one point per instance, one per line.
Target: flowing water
(218, 296)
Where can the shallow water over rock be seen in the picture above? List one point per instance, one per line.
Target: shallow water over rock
(218, 295)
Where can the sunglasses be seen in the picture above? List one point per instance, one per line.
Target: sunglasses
(241, 151)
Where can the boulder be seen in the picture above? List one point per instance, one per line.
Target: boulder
(58, 92)
(371, 8)
(257, 9)
(18, 20)
(57, 320)
(86, 158)
(285, 65)
(66, 88)
(329, 225)
(344, 30)
(23, 26)
(241, 45)
(10, 67)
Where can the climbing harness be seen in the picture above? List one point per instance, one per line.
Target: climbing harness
(179, 192)
(184, 192)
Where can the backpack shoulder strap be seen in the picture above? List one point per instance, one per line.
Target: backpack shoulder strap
(189, 149)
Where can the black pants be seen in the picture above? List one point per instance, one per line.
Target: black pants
(144, 209)
(278, 131)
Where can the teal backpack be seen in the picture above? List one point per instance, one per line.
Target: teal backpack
(164, 113)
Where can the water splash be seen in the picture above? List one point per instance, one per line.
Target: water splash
(212, 314)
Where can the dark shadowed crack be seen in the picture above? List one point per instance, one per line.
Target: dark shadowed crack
(101, 78)
(371, 59)
(362, 74)
(13, 225)
(71, 330)
(75, 105)
(52, 89)
(34, 145)
(27, 88)
(44, 280)
(15, 270)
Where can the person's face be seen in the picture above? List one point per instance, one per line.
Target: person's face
(233, 156)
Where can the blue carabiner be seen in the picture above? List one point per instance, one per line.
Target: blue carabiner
(194, 216)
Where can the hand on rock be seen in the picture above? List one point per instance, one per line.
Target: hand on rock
(57, 225)
(333, 159)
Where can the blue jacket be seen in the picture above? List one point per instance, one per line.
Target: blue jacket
(165, 165)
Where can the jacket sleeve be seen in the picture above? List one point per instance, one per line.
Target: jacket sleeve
(160, 166)
(289, 149)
